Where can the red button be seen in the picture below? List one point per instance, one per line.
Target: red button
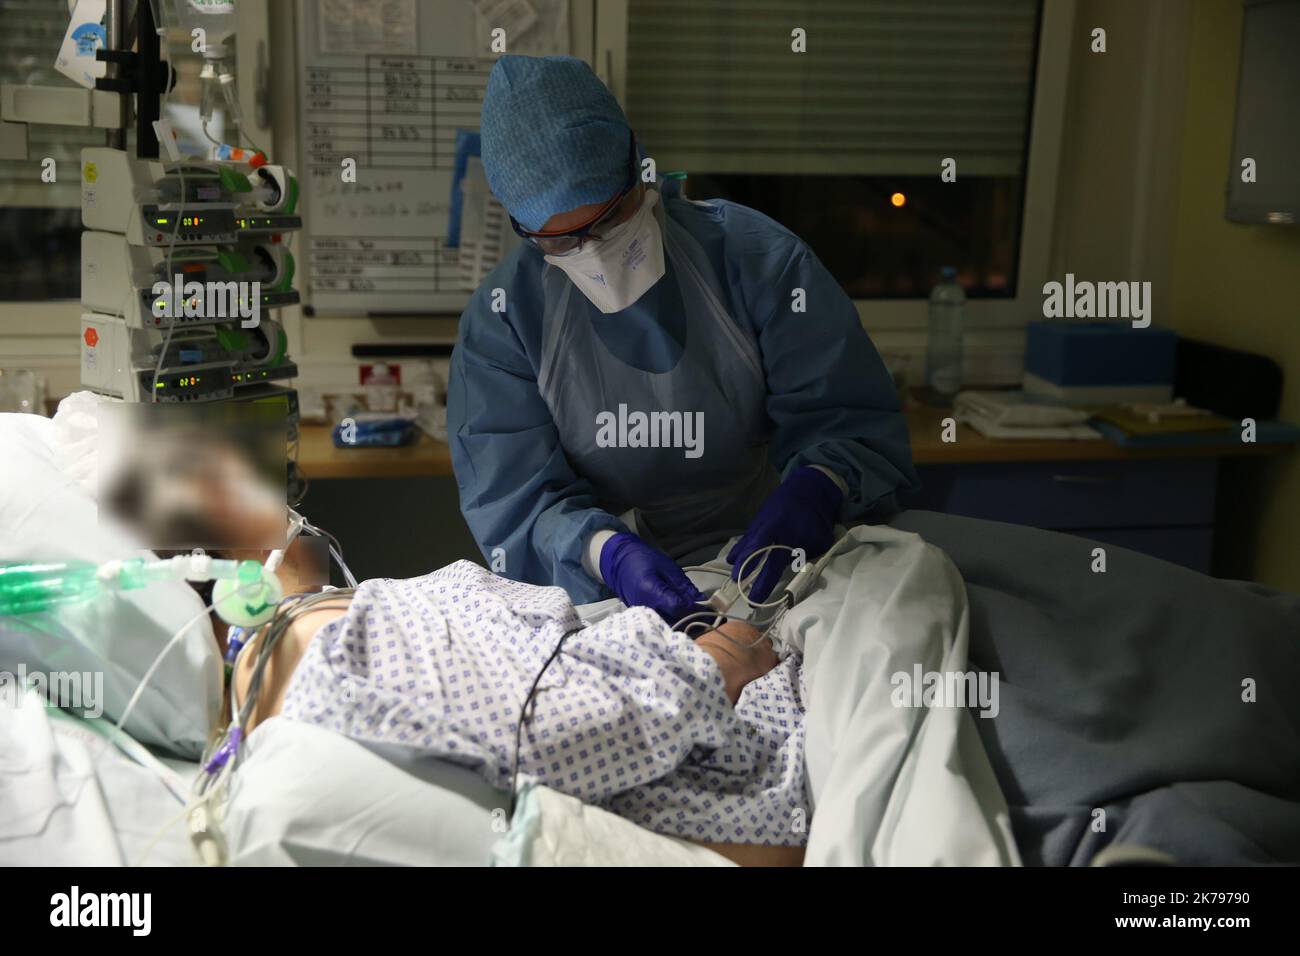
(91, 337)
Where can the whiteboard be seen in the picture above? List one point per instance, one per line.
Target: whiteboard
(387, 83)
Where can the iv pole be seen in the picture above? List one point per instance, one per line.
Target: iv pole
(141, 72)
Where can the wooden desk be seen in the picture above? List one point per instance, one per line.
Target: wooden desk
(1160, 501)
(318, 457)
(928, 447)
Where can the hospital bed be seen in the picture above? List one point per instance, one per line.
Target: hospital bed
(303, 795)
(1145, 706)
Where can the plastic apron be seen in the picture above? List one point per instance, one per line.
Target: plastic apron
(688, 507)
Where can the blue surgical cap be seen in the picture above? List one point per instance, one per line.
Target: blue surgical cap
(554, 137)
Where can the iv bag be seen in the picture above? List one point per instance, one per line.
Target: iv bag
(216, 18)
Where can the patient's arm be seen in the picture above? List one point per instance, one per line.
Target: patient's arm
(739, 664)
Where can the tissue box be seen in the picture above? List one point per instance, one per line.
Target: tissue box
(1099, 363)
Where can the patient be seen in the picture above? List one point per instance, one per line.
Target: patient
(699, 739)
(630, 715)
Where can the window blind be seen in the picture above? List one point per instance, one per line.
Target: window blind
(886, 87)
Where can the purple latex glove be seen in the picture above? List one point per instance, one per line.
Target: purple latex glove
(645, 576)
(801, 513)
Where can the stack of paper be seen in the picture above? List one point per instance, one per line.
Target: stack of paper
(1011, 414)
(1162, 419)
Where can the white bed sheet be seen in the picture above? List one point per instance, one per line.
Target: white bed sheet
(68, 798)
(892, 785)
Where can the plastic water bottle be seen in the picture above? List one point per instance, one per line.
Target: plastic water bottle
(943, 353)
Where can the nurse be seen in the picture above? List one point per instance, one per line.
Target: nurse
(645, 377)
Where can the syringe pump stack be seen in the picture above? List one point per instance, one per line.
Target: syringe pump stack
(181, 263)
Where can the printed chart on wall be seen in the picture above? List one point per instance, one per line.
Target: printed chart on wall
(395, 86)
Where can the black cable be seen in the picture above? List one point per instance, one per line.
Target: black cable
(523, 718)
(296, 484)
(322, 533)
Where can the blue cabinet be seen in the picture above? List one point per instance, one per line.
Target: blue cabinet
(1163, 507)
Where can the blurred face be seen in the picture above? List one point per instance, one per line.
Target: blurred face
(208, 495)
(186, 478)
(242, 508)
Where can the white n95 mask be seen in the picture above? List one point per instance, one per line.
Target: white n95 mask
(616, 270)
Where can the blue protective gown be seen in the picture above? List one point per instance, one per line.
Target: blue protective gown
(829, 399)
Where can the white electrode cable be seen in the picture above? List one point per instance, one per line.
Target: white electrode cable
(739, 588)
(157, 662)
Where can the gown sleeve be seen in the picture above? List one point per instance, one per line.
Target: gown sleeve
(517, 490)
(830, 397)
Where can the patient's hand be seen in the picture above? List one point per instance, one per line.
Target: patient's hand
(739, 662)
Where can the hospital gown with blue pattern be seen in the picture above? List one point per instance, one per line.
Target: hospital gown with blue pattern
(630, 715)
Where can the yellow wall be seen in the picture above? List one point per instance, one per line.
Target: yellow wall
(1237, 286)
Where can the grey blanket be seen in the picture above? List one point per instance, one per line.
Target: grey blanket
(1123, 692)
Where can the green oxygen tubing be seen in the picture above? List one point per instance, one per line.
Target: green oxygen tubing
(246, 592)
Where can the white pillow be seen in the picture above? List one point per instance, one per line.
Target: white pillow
(46, 515)
(72, 439)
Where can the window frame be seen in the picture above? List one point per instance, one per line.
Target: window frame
(899, 325)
